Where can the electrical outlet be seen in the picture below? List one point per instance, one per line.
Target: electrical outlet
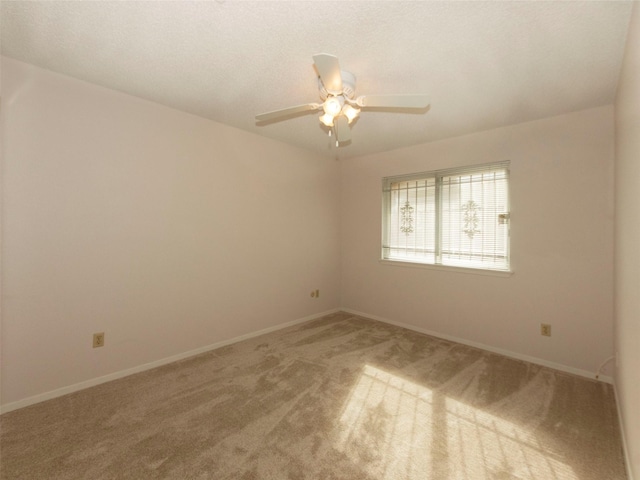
(98, 340)
(545, 329)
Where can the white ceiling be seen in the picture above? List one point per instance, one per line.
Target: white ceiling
(484, 64)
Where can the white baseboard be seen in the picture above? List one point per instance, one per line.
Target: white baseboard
(625, 449)
(506, 353)
(25, 402)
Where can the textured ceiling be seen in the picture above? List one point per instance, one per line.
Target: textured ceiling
(484, 64)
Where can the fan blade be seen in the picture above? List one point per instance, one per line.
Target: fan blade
(343, 132)
(391, 101)
(286, 112)
(329, 70)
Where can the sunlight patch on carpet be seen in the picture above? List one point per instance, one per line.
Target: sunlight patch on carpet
(400, 429)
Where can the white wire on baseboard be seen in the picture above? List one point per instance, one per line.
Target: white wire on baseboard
(602, 366)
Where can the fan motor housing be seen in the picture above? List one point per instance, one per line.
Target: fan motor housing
(348, 85)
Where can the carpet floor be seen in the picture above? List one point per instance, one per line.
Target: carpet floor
(341, 397)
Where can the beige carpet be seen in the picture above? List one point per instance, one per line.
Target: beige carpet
(337, 398)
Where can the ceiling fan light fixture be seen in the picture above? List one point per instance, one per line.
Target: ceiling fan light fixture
(332, 106)
(350, 112)
(327, 119)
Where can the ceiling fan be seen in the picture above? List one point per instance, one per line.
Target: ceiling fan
(337, 90)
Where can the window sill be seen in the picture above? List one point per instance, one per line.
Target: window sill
(448, 268)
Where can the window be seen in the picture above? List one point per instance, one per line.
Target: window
(457, 217)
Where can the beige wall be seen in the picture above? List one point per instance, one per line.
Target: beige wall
(561, 239)
(164, 230)
(627, 256)
(170, 232)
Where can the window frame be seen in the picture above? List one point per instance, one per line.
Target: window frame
(438, 175)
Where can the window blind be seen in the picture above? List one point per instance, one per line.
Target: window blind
(457, 217)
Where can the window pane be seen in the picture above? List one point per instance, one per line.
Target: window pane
(472, 232)
(411, 220)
